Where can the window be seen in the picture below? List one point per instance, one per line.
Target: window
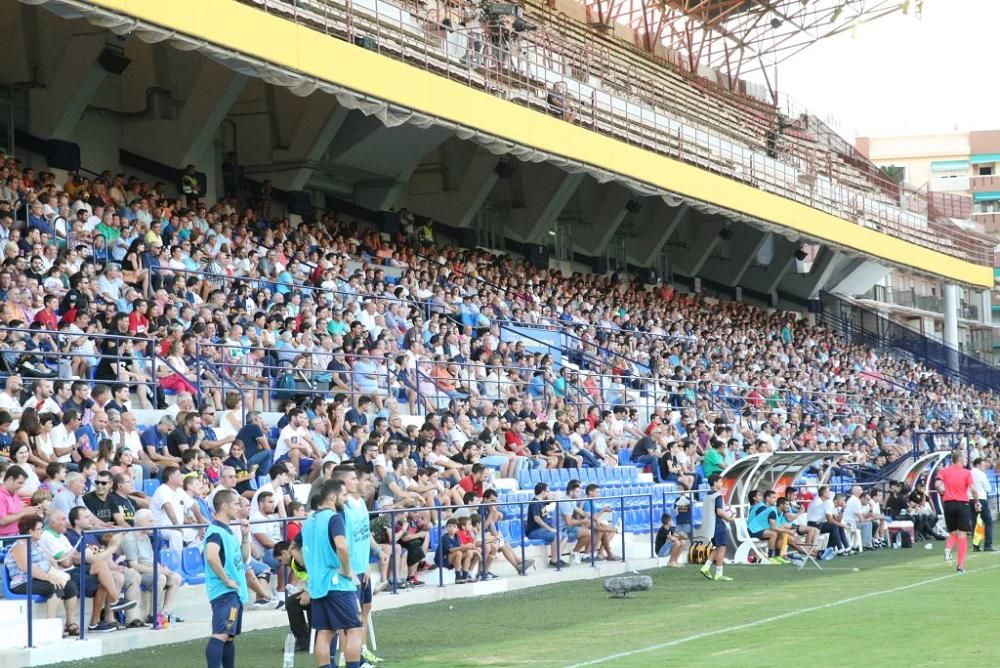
(986, 170)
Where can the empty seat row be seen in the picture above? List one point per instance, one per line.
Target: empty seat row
(557, 478)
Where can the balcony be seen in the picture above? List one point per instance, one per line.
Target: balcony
(978, 184)
(905, 298)
(989, 220)
(957, 184)
(929, 303)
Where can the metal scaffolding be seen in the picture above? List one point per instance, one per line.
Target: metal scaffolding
(737, 37)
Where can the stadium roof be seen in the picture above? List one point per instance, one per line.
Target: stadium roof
(738, 36)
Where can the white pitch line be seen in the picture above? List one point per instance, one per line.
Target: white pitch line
(776, 618)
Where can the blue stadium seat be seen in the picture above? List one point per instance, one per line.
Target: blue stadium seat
(565, 475)
(617, 473)
(149, 486)
(631, 473)
(10, 595)
(624, 457)
(523, 479)
(435, 537)
(192, 566)
(171, 560)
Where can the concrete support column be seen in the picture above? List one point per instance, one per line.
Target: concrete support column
(951, 323)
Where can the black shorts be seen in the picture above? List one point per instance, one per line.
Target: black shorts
(227, 615)
(957, 516)
(759, 535)
(338, 610)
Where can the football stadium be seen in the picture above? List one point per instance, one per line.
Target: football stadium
(477, 333)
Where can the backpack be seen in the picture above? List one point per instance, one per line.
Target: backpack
(904, 539)
(698, 552)
(285, 386)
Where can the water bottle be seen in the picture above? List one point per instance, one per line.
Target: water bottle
(289, 656)
(896, 544)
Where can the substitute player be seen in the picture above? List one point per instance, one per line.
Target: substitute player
(955, 483)
(361, 545)
(333, 589)
(225, 558)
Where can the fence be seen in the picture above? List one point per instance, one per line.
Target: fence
(858, 324)
(624, 501)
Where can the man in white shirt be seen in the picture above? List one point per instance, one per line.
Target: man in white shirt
(41, 399)
(267, 534)
(279, 478)
(63, 436)
(822, 514)
(168, 508)
(856, 518)
(10, 398)
(983, 491)
(338, 452)
(294, 444)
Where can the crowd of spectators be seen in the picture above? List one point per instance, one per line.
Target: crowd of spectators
(117, 296)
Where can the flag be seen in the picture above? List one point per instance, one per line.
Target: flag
(979, 535)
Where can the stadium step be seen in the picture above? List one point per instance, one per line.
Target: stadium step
(14, 621)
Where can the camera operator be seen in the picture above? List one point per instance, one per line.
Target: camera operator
(472, 21)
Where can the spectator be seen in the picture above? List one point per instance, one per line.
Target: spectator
(984, 488)
(47, 580)
(167, 507)
(12, 508)
(138, 550)
(823, 515)
(669, 542)
(537, 525)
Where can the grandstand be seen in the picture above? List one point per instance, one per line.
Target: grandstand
(465, 252)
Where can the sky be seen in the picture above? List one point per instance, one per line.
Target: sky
(902, 75)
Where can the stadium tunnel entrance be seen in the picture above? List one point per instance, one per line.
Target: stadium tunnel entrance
(87, 97)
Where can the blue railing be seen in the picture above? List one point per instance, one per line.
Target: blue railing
(857, 323)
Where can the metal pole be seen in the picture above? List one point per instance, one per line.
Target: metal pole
(558, 542)
(156, 579)
(83, 590)
(621, 501)
(482, 539)
(593, 536)
(443, 559)
(652, 536)
(392, 554)
(30, 603)
(521, 511)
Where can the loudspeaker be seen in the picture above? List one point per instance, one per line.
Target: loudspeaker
(62, 154)
(801, 255)
(648, 276)
(300, 203)
(633, 206)
(538, 256)
(504, 169)
(725, 234)
(469, 238)
(599, 264)
(113, 61)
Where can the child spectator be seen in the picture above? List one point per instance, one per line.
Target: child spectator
(456, 555)
(669, 542)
